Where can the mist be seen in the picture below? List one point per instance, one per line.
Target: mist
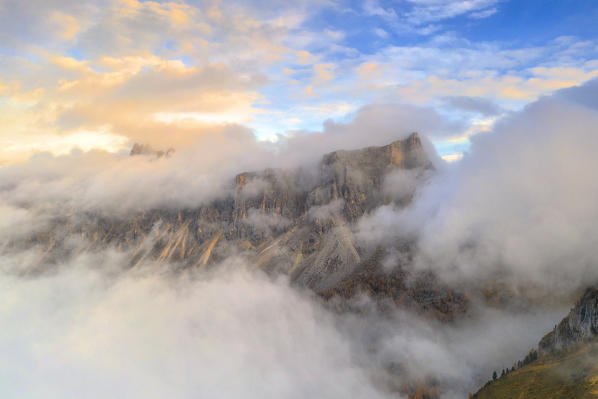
(517, 214)
(92, 330)
(118, 184)
(519, 209)
(96, 328)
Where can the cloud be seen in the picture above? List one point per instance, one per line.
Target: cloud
(401, 185)
(518, 207)
(477, 105)
(517, 210)
(93, 326)
(198, 172)
(432, 71)
(328, 211)
(484, 13)
(164, 72)
(375, 124)
(92, 181)
(126, 63)
(510, 207)
(585, 95)
(527, 210)
(265, 223)
(419, 12)
(373, 8)
(87, 331)
(424, 11)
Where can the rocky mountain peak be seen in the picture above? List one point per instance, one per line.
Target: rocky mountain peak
(298, 222)
(407, 154)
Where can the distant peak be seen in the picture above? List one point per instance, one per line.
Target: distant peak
(404, 153)
(414, 138)
(146, 149)
(412, 141)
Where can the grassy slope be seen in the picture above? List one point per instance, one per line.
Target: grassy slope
(568, 376)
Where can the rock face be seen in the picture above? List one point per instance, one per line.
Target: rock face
(564, 366)
(356, 176)
(420, 292)
(580, 324)
(282, 221)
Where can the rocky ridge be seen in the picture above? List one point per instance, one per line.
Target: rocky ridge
(282, 221)
(579, 325)
(565, 365)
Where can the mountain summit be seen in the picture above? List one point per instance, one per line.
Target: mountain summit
(286, 222)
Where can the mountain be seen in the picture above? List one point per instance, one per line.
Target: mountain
(146, 149)
(581, 324)
(565, 365)
(299, 223)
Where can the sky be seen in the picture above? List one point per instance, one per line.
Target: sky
(105, 74)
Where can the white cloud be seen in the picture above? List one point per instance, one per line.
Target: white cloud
(85, 332)
(518, 207)
(484, 14)
(373, 8)
(436, 10)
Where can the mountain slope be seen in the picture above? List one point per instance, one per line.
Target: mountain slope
(291, 222)
(572, 375)
(567, 362)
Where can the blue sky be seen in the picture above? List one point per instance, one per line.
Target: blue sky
(102, 74)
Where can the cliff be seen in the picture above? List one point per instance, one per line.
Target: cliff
(282, 221)
(565, 364)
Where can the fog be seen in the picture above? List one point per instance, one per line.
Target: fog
(117, 184)
(90, 331)
(518, 212)
(519, 207)
(95, 329)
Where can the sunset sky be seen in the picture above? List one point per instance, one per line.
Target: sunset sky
(104, 74)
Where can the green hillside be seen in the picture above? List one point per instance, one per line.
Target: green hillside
(572, 375)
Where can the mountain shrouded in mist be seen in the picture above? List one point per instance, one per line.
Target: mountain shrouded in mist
(370, 272)
(227, 199)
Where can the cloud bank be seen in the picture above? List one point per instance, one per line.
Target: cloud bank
(95, 328)
(519, 206)
(86, 332)
(98, 181)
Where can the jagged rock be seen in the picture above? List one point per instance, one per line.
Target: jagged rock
(356, 176)
(283, 221)
(419, 292)
(146, 149)
(579, 325)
